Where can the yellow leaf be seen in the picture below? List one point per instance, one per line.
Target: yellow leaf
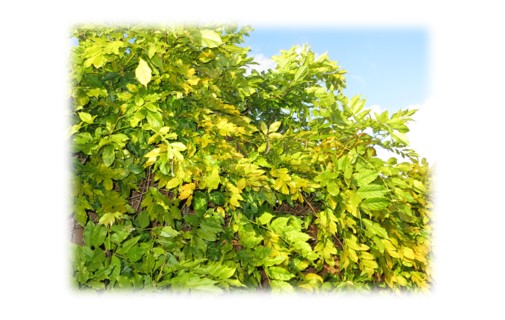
(186, 191)
(109, 218)
(314, 277)
(408, 253)
(190, 72)
(278, 184)
(179, 146)
(153, 153)
(193, 81)
(284, 189)
(235, 198)
(241, 184)
(274, 126)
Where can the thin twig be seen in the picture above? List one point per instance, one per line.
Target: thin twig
(147, 185)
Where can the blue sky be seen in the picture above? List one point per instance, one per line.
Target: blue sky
(388, 67)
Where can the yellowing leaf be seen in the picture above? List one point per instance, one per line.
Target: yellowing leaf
(169, 232)
(143, 72)
(108, 155)
(263, 127)
(152, 156)
(210, 38)
(179, 146)
(278, 273)
(86, 117)
(213, 179)
(369, 264)
(333, 189)
(265, 218)
(400, 137)
(174, 182)
(109, 218)
(352, 255)
(151, 51)
(274, 126)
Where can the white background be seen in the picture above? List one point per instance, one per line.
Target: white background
(461, 131)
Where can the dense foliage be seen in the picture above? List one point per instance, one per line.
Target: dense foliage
(193, 171)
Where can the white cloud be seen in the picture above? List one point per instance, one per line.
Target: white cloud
(264, 63)
(376, 109)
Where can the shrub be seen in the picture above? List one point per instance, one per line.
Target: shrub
(193, 171)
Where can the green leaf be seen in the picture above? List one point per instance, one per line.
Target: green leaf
(400, 137)
(279, 224)
(375, 203)
(86, 117)
(192, 281)
(217, 198)
(326, 177)
(333, 189)
(248, 237)
(372, 191)
(143, 72)
(169, 232)
(300, 71)
(135, 253)
(356, 104)
(216, 270)
(125, 247)
(143, 219)
(212, 180)
(281, 286)
(375, 228)
(265, 218)
(136, 118)
(278, 273)
(210, 38)
(108, 155)
(200, 203)
(364, 178)
(98, 235)
(154, 119)
(209, 228)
